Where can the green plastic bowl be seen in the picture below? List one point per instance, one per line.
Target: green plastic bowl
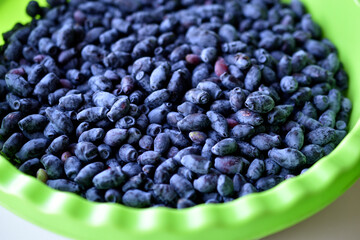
(252, 216)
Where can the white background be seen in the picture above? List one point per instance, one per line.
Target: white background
(340, 220)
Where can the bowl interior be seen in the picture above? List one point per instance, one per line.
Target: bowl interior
(253, 216)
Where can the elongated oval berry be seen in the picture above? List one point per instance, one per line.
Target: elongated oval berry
(114, 137)
(53, 166)
(321, 136)
(229, 81)
(220, 67)
(125, 122)
(72, 167)
(161, 143)
(30, 166)
(268, 182)
(197, 96)
(194, 122)
(92, 135)
(18, 85)
(184, 203)
(110, 178)
(177, 138)
(242, 131)
(64, 185)
(218, 123)
(95, 195)
(165, 170)
(248, 150)
(86, 151)
(229, 164)
(208, 54)
(317, 74)
(128, 153)
(104, 151)
(149, 157)
(86, 174)
(93, 114)
(253, 78)
(154, 129)
(307, 122)
(196, 163)
(41, 175)
(182, 186)
(225, 147)
(103, 99)
(46, 85)
(165, 193)
(58, 144)
(271, 167)
(137, 198)
(113, 195)
(260, 103)
(206, 183)
(159, 76)
(256, 169)
(233, 47)
(288, 157)
(321, 102)
(60, 120)
(197, 137)
(309, 110)
(206, 150)
(119, 109)
(313, 153)
(334, 100)
(265, 142)
(288, 84)
(13, 144)
(295, 138)
(186, 151)
(210, 87)
(231, 122)
(134, 182)
(187, 108)
(71, 102)
(32, 149)
(245, 116)
(237, 98)
(193, 59)
(225, 186)
(157, 98)
(248, 188)
(134, 135)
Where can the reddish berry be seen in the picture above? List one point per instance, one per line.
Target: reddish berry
(193, 59)
(220, 67)
(65, 156)
(18, 71)
(66, 83)
(39, 58)
(231, 122)
(79, 17)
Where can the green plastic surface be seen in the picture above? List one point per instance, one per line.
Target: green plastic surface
(250, 217)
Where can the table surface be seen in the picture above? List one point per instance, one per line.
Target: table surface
(340, 220)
